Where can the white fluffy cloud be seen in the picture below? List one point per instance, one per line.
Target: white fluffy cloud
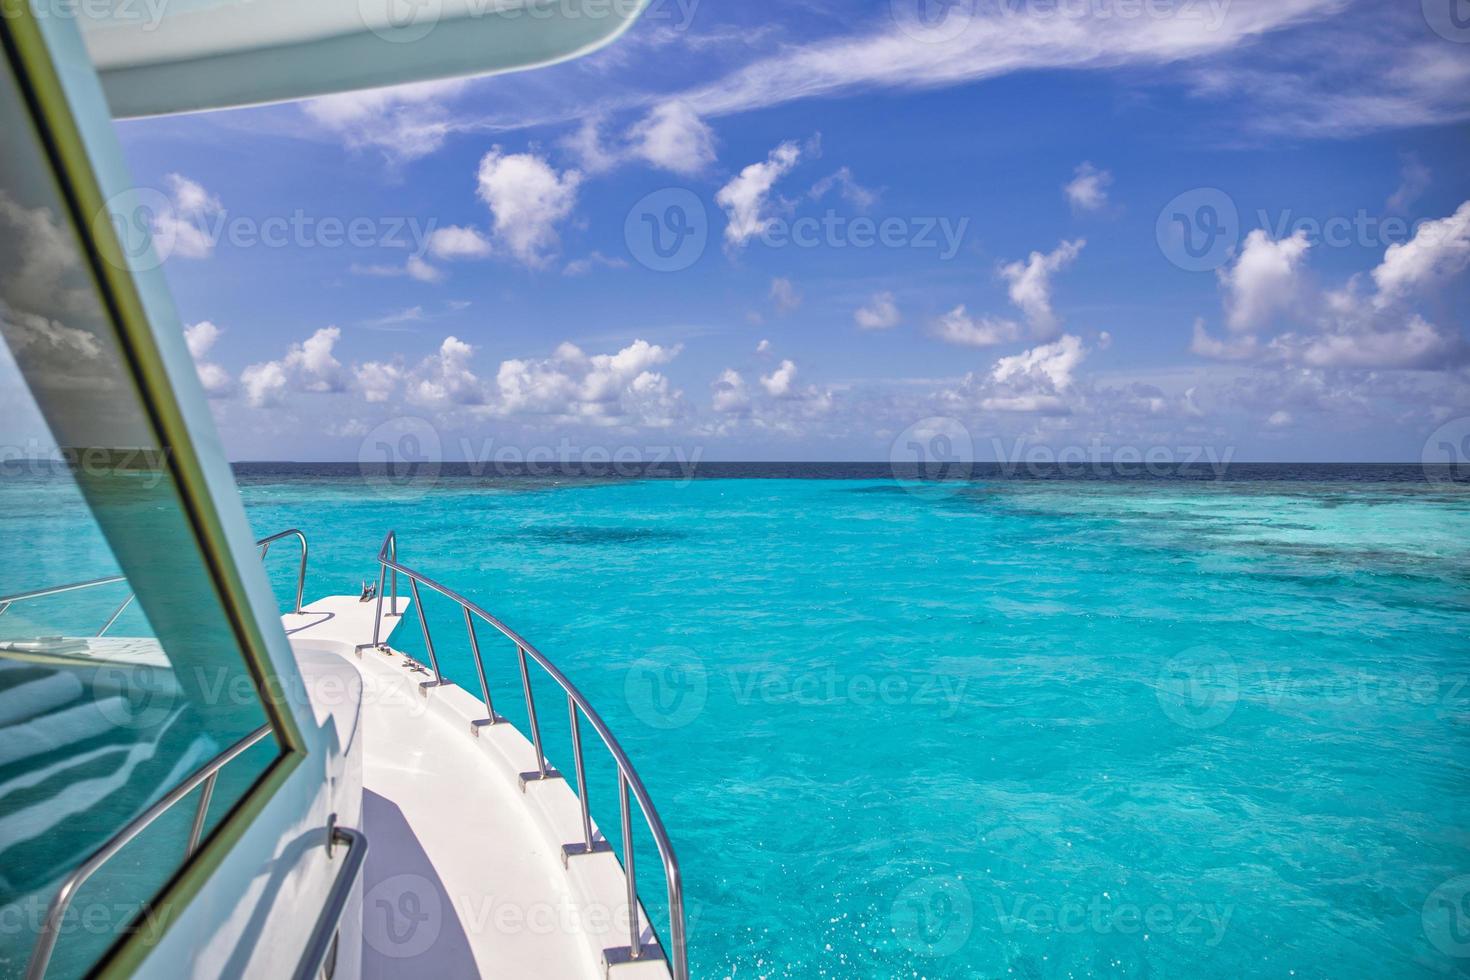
(1438, 250)
(744, 197)
(201, 338)
(777, 404)
(1263, 282)
(959, 328)
(378, 380)
(781, 382)
(445, 378)
(586, 144)
(457, 242)
(880, 312)
(1088, 189)
(46, 277)
(416, 268)
(1232, 349)
(1038, 381)
(423, 271)
(1029, 288)
(404, 122)
(264, 384)
(308, 366)
(785, 295)
(571, 385)
(672, 137)
(1030, 284)
(1346, 328)
(1052, 364)
(1418, 343)
(729, 394)
(182, 228)
(852, 192)
(528, 198)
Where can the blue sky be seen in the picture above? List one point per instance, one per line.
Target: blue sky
(1020, 157)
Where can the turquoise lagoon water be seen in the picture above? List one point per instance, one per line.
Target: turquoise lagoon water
(1004, 728)
(995, 729)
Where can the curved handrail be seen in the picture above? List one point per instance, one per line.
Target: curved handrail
(61, 901)
(325, 933)
(58, 590)
(264, 544)
(628, 779)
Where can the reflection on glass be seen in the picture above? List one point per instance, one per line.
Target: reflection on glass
(120, 672)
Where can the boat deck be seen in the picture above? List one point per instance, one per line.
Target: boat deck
(464, 874)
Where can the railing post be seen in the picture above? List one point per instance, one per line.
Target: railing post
(301, 575)
(378, 618)
(109, 624)
(676, 924)
(413, 584)
(581, 776)
(635, 944)
(197, 831)
(541, 771)
(469, 625)
(393, 553)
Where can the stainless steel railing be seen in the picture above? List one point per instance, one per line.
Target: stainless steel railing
(61, 901)
(577, 707)
(264, 544)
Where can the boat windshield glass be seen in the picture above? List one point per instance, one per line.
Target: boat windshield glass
(120, 672)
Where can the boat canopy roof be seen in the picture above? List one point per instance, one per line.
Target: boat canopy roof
(166, 56)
